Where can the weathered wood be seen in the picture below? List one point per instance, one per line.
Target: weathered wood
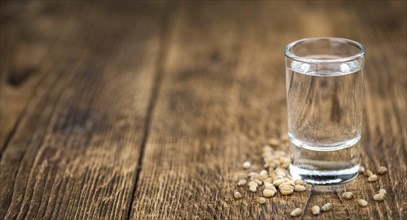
(138, 110)
(25, 39)
(223, 94)
(74, 152)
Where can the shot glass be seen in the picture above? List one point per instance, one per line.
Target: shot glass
(324, 85)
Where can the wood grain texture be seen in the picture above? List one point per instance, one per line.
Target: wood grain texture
(147, 110)
(24, 42)
(74, 153)
(223, 95)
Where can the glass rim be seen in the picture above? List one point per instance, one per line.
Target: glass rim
(358, 45)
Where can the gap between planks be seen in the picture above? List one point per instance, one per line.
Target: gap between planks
(164, 36)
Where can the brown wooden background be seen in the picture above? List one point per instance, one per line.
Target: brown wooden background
(146, 110)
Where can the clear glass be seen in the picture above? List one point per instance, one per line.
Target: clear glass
(324, 80)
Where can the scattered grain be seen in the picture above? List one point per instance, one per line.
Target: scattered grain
(379, 197)
(284, 162)
(252, 183)
(362, 202)
(275, 175)
(286, 184)
(253, 188)
(315, 210)
(258, 182)
(284, 137)
(372, 178)
(326, 207)
(273, 142)
(299, 188)
(242, 182)
(278, 182)
(267, 148)
(278, 177)
(237, 195)
(263, 173)
(285, 191)
(347, 195)
(247, 165)
(299, 182)
(289, 181)
(270, 186)
(382, 170)
(261, 200)
(253, 175)
(296, 212)
(268, 179)
(268, 193)
(383, 191)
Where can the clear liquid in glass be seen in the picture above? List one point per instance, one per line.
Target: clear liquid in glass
(324, 122)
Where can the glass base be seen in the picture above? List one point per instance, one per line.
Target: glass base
(324, 177)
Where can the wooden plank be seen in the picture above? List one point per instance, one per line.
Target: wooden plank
(74, 153)
(223, 95)
(26, 36)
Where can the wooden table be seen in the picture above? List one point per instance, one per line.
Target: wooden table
(147, 110)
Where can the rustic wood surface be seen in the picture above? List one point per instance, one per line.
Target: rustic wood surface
(147, 110)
